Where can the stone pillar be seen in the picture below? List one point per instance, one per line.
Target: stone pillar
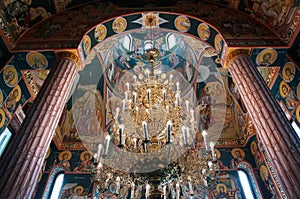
(279, 139)
(23, 159)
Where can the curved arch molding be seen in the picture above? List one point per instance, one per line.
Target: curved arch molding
(66, 29)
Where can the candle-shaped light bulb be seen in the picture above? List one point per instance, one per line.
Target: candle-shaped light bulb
(165, 191)
(147, 190)
(190, 185)
(177, 98)
(177, 191)
(95, 158)
(192, 116)
(169, 124)
(117, 113)
(107, 143)
(204, 134)
(148, 94)
(184, 134)
(145, 128)
(177, 86)
(99, 152)
(127, 85)
(134, 77)
(121, 129)
(134, 97)
(123, 105)
(212, 145)
(187, 132)
(118, 185)
(171, 77)
(164, 95)
(132, 190)
(134, 142)
(187, 105)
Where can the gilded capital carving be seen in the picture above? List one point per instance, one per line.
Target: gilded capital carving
(234, 53)
(71, 55)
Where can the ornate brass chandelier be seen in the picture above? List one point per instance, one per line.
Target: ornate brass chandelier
(153, 120)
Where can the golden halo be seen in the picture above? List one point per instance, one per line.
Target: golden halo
(2, 117)
(100, 32)
(221, 185)
(203, 31)
(291, 67)
(284, 89)
(48, 152)
(83, 154)
(19, 92)
(60, 157)
(78, 190)
(273, 53)
(298, 113)
(32, 59)
(182, 23)
(87, 43)
(218, 44)
(218, 154)
(10, 72)
(119, 25)
(253, 144)
(237, 149)
(263, 172)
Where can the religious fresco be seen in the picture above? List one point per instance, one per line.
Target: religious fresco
(231, 113)
(34, 80)
(269, 74)
(282, 75)
(20, 80)
(26, 72)
(76, 165)
(239, 25)
(19, 15)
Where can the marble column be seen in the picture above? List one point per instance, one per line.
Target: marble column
(279, 139)
(23, 159)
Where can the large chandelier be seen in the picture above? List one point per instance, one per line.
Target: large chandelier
(150, 116)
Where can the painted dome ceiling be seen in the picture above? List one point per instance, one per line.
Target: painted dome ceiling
(190, 46)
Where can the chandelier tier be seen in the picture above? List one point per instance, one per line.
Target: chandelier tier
(152, 114)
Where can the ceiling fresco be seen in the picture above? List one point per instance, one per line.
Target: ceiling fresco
(122, 55)
(63, 33)
(18, 16)
(32, 68)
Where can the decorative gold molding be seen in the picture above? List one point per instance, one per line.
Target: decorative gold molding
(71, 55)
(234, 53)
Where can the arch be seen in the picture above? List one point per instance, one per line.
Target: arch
(195, 28)
(246, 167)
(59, 169)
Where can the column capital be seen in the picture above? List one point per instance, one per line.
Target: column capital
(233, 53)
(71, 55)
